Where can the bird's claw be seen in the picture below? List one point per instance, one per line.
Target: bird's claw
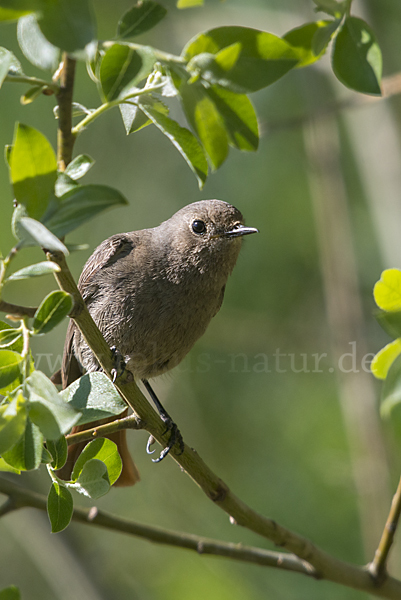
(119, 364)
(150, 443)
(175, 437)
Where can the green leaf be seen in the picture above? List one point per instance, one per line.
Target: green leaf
(185, 142)
(93, 480)
(264, 57)
(216, 68)
(59, 451)
(189, 3)
(10, 593)
(34, 233)
(37, 270)
(81, 204)
(121, 68)
(103, 450)
(44, 395)
(79, 166)
(357, 59)
(17, 344)
(206, 121)
(391, 393)
(6, 468)
(53, 309)
(95, 397)
(133, 118)
(68, 24)
(13, 418)
(5, 62)
(59, 507)
(10, 367)
(140, 18)
(301, 40)
(387, 291)
(33, 169)
(26, 454)
(37, 49)
(31, 95)
(9, 337)
(46, 457)
(64, 184)
(383, 360)
(239, 118)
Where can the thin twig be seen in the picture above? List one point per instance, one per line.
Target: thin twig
(19, 497)
(377, 567)
(16, 310)
(131, 422)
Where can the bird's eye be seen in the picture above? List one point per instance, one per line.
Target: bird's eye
(198, 226)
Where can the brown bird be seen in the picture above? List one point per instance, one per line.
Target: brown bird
(152, 294)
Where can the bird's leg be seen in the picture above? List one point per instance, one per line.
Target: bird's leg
(170, 426)
(119, 363)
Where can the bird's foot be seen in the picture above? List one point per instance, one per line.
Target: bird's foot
(175, 437)
(119, 364)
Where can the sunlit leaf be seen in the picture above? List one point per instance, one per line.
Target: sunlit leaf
(383, 360)
(264, 57)
(34, 233)
(13, 418)
(95, 397)
(387, 291)
(93, 480)
(79, 166)
(102, 449)
(36, 270)
(33, 169)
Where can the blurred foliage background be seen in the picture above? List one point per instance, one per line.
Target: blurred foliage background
(303, 445)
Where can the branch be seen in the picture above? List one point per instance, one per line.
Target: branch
(65, 139)
(324, 565)
(131, 422)
(19, 497)
(377, 567)
(16, 310)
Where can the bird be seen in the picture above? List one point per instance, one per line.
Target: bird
(152, 293)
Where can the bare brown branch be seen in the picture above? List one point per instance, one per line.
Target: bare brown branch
(377, 567)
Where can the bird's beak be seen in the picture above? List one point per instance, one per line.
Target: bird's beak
(239, 230)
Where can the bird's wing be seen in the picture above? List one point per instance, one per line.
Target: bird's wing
(106, 254)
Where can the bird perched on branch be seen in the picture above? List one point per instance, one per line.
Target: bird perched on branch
(152, 293)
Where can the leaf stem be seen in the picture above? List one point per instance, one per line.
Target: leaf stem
(107, 105)
(32, 81)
